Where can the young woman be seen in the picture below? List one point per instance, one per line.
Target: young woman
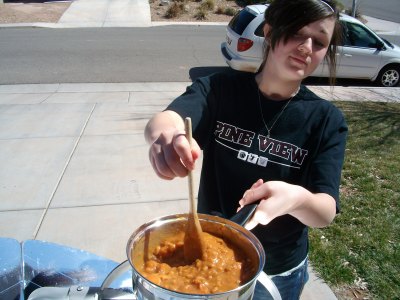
(265, 138)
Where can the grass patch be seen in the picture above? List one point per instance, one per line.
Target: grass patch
(361, 249)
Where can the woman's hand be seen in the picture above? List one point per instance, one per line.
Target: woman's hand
(170, 153)
(278, 198)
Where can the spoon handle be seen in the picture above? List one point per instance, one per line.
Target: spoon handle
(193, 241)
(188, 130)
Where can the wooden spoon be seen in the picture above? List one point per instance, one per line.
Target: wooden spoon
(193, 242)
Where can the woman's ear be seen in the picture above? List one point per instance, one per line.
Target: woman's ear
(266, 30)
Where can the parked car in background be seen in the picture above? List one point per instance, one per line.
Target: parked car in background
(362, 55)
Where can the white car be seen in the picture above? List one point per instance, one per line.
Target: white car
(363, 55)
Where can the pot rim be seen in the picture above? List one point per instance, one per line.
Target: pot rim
(254, 241)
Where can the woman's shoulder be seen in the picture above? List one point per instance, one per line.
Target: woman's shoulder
(316, 102)
(307, 95)
(229, 77)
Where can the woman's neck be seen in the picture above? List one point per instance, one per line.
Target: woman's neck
(274, 88)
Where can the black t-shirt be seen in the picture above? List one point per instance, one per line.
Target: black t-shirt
(306, 148)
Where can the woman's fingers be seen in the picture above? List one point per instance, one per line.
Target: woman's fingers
(259, 217)
(167, 162)
(258, 183)
(187, 153)
(277, 198)
(251, 223)
(171, 155)
(256, 192)
(155, 168)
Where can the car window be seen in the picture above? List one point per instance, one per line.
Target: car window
(356, 35)
(260, 30)
(239, 22)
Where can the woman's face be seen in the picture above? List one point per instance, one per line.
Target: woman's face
(303, 52)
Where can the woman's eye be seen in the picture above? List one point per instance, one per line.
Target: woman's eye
(320, 44)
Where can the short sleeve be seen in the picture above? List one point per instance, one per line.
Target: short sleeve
(327, 165)
(197, 103)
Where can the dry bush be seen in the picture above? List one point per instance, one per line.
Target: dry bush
(207, 5)
(230, 11)
(201, 14)
(220, 10)
(176, 9)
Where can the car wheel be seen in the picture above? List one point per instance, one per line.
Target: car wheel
(389, 76)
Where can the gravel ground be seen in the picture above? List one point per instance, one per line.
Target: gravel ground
(191, 7)
(25, 11)
(49, 12)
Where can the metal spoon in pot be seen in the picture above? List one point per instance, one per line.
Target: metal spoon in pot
(193, 242)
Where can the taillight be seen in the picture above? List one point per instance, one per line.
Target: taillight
(244, 44)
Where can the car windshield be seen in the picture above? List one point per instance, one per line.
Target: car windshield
(239, 23)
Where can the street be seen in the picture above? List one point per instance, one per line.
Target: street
(88, 55)
(166, 53)
(386, 10)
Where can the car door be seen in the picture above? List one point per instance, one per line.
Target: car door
(360, 54)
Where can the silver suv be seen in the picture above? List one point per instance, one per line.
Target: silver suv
(363, 55)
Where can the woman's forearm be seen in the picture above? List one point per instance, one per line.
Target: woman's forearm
(315, 210)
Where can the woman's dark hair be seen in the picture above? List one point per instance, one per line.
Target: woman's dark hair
(287, 17)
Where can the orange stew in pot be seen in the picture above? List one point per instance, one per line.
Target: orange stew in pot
(223, 266)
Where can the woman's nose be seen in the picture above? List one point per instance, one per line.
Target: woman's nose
(306, 46)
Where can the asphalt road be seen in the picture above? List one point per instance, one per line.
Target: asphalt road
(167, 53)
(155, 54)
(388, 10)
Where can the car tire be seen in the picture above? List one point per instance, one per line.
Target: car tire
(389, 76)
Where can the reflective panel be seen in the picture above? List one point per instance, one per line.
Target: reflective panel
(34, 264)
(11, 280)
(44, 267)
(49, 264)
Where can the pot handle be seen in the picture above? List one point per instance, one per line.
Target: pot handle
(114, 274)
(243, 215)
(269, 285)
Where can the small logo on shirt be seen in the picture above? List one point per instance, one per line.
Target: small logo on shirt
(252, 158)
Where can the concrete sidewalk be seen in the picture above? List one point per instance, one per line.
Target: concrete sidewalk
(105, 13)
(74, 166)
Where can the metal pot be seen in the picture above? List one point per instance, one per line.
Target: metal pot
(151, 234)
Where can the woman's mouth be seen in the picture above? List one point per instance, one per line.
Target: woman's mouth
(298, 60)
